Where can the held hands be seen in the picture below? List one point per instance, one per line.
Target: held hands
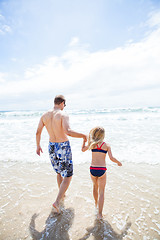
(39, 150)
(84, 147)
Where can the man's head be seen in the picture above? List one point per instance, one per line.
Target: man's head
(60, 101)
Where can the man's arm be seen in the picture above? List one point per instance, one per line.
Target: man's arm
(69, 131)
(38, 136)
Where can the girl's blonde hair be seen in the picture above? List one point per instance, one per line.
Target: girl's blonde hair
(96, 135)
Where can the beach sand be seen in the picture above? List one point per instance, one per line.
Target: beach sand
(131, 208)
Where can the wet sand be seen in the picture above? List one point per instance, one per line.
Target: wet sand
(131, 208)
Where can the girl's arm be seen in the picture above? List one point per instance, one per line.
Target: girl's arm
(84, 147)
(111, 156)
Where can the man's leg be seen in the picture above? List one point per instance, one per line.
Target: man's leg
(59, 179)
(63, 188)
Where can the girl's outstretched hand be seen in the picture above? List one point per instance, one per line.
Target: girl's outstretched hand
(119, 164)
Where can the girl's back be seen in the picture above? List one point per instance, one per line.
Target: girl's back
(99, 155)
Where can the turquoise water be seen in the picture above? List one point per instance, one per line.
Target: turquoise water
(133, 133)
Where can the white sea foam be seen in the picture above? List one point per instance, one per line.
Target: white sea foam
(156, 211)
(133, 134)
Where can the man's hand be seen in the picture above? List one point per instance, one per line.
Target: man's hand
(85, 138)
(39, 150)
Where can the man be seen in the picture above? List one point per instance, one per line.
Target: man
(57, 125)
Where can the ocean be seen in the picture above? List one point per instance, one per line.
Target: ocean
(133, 134)
(29, 187)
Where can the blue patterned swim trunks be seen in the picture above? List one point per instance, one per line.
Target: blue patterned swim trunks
(61, 158)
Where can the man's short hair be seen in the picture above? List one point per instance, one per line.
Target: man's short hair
(59, 99)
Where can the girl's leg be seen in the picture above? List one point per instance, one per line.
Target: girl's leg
(95, 189)
(101, 185)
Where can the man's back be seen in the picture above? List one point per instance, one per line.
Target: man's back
(53, 121)
(57, 125)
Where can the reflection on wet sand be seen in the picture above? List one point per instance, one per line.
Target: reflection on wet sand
(103, 230)
(56, 228)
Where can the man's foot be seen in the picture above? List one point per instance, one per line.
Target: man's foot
(100, 216)
(55, 207)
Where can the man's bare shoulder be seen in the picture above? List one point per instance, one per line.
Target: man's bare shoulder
(64, 114)
(55, 113)
(48, 113)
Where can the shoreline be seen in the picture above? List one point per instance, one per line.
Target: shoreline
(131, 207)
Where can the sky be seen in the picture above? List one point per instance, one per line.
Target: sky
(97, 53)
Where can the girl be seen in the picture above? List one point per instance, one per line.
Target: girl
(98, 165)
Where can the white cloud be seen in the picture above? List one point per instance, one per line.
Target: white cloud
(4, 27)
(74, 41)
(14, 59)
(154, 19)
(126, 75)
(7, 28)
(2, 77)
(1, 17)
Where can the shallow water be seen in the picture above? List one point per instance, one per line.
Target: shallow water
(131, 207)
